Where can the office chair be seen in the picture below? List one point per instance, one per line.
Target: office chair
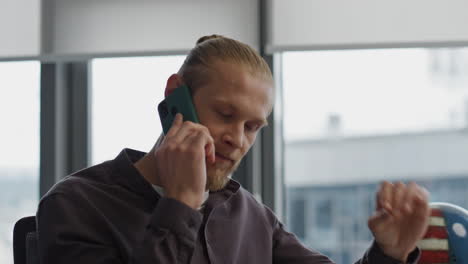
(25, 241)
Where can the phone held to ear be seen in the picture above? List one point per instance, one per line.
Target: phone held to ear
(179, 101)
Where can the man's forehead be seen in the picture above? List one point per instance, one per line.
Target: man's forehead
(239, 76)
(228, 79)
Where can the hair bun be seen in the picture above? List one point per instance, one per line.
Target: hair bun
(205, 38)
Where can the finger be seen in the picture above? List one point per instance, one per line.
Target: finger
(189, 128)
(420, 211)
(378, 221)
(419, 201)
(416, 206)
(190, 143)
(399, 195)
(186, 129)
(195, 127)
(209, 146)
(384, 196)
(422, 195)
(205, 142)
(409, 198)
(210, 152)
(191, 138)
(176, 124)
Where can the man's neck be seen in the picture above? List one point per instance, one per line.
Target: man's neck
(147, 168)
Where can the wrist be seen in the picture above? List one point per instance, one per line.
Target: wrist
(192, 200)
(396, 253)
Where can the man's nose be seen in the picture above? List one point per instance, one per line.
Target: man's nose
(234, 136)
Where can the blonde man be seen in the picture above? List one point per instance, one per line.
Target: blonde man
(177, 203)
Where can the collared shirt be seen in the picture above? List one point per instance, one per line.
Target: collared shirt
(109, 213)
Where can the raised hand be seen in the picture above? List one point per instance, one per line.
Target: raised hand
(401, 218)
(181, 161)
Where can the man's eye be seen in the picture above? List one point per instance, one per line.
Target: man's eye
(225, 115)
(252, 128)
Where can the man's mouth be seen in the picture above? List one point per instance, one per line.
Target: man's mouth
(220, 157)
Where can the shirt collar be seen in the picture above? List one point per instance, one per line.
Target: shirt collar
(130, 178)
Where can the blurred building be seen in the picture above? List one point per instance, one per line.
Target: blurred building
(332, 183)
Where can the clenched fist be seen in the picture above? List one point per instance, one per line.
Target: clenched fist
(401, 218)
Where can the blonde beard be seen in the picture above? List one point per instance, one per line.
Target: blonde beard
(216, 179)
(216, 176)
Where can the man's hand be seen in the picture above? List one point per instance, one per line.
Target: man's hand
(180, 161)
(401, 218)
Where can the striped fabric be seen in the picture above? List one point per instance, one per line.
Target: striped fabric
(435, 245)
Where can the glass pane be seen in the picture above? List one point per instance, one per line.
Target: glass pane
(19, 152)
(125, 95)
(354, 118)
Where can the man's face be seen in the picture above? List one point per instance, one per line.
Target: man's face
(234, 105)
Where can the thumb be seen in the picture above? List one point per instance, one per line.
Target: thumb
(379, 220)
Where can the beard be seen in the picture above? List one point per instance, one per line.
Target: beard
(218, 175)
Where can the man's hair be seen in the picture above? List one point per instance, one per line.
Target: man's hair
(209, 49)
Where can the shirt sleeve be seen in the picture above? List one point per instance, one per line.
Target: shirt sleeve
(70, 232)
(375, 255)
(288, 249)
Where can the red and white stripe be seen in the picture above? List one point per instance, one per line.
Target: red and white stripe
(435, 246)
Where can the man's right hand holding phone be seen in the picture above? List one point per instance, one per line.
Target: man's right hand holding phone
(180, 161)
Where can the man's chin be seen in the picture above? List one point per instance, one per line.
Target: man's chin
(218, 178)
(217, 184)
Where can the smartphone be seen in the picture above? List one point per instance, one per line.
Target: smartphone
(179, 101)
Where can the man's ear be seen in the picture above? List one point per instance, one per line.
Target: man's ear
(174, 81)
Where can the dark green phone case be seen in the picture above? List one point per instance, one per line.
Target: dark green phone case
(179, 101)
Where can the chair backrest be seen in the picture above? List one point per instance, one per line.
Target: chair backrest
(25, 241)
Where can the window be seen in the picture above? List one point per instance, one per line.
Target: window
(299, 225)
(125, 95)
(19, 152)
(323, 214)
(354, 118)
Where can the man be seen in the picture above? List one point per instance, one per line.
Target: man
(177, 204)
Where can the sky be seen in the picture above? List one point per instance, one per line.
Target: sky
(373, 92)
(19, 114)
(125, 95)
(370, 91)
